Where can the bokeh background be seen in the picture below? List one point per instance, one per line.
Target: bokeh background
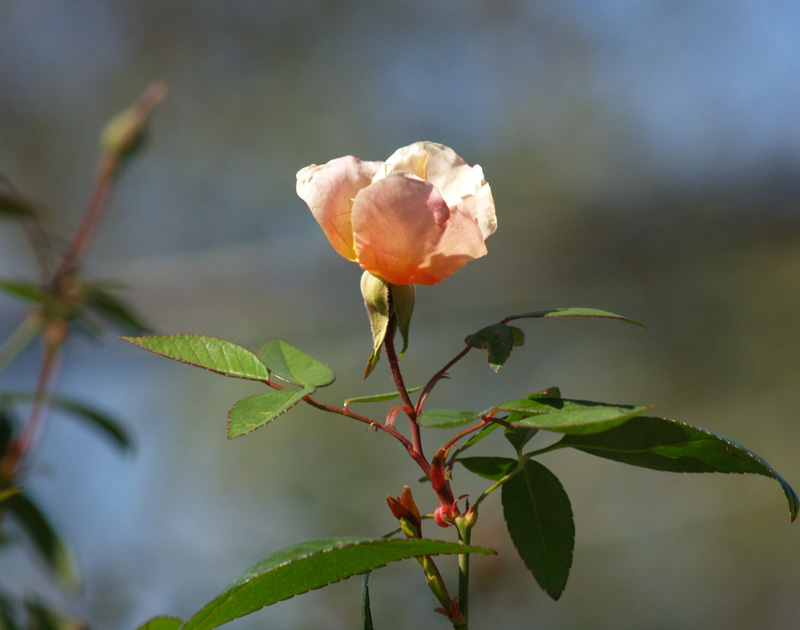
(644, 158)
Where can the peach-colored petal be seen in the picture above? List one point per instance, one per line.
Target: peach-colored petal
(404, 231)
(411, 159)
(455, 179)
(328, 191)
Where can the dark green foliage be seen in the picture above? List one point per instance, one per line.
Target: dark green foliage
(674, 446)
(539, 519)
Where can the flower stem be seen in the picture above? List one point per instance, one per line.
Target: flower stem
(408, 406)
(439, 376)
(464, 526)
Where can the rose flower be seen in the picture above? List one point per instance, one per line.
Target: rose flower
(416, 218)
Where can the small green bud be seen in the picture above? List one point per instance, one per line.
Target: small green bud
(123, 134)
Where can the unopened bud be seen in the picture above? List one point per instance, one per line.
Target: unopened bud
(124, 132)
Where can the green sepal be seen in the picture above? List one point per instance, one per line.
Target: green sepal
(672, 446)
(376, 298)
(402, 304)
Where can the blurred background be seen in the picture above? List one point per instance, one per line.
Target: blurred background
(644, 159)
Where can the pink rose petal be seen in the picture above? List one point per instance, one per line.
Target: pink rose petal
(328, 191)
(405, 233)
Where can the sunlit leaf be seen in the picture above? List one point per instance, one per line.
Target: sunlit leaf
(310, 565)
(254, 412)
(446, 418)
(539, 519)
(574, 312)
(161, 623)
(290, 364)
(673, 446)
(567, 416)
(211, 353)
(498, 339)
(57, 557)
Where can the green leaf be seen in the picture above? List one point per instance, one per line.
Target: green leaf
(446, 418)
(673, 446)
(492, 468)
(57, 557)
(574, 312)
(498, 339)
(254, 412)
(567, 416)
(290, 364)
(161, 623)
(42, 617)
(7, 613)
(474, 439)
(12, 206)
(107, 426)
(539, 519)
(366, 613)
(378, 397)
(211, 353)
(22, 289)
(7, 493)
(310, 565)
(519, 437)
(113, 309)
